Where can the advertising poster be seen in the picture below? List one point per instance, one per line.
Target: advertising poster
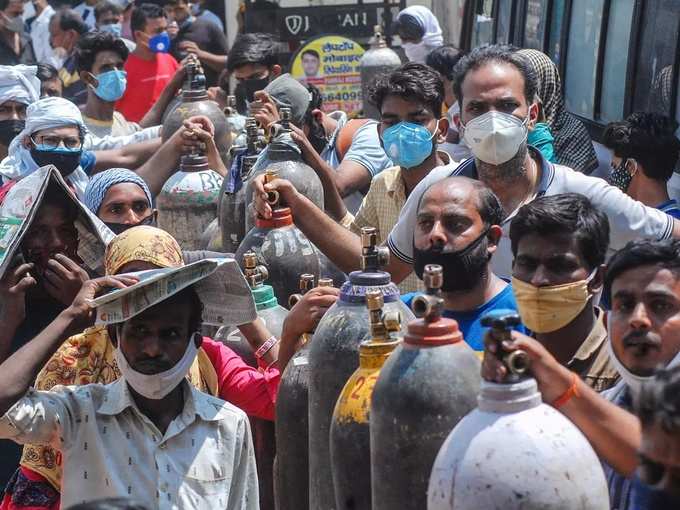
(331, 63)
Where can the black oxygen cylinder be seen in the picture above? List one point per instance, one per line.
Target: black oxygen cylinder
(428, 384)
(291, 472)
(333, 357)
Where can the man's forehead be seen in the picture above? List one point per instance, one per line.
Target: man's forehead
(451, 198)
(398, 105)
(641, 279)
(10, 103)
(548, 246)
(61, 130)
(493, 78)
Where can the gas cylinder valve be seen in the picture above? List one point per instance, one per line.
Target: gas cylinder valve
(286, 117)
(255, 273)
(382, 324)
(272, 196)
(372, 257)
(502, 322)
(378, 37)
(230, 109)
(306, 283)
(430, 305)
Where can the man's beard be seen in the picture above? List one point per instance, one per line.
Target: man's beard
(505, 173)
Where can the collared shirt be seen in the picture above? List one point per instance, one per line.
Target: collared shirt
(670, 207)
(204, 460)
(40, 35)
(628, 218)
(591, 361)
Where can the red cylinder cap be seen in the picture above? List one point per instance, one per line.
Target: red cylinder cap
(281, 217)
(431, 334)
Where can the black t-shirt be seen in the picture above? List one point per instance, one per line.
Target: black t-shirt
(208, 37)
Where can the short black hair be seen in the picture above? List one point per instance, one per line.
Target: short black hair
(659, 400)
(566, 213)
(498, 53)
(255, 48)
(311, 52)
(443, 60)
(145, 12)
(4, 4)
(649, 138)
(106, 6)
(93, 43)
(664, 253)
(70, 20)
(411, 82)
(110, 504)
(46, 72)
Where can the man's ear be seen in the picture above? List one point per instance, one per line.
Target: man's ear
(276, 70)
(534, 111)
(318, 115)
(442, 130)
(595, 285)
(27, 142)
(494, 234)
(89, 79)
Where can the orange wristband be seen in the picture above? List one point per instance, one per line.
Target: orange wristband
(565, 397)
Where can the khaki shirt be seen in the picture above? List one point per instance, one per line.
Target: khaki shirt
(591, 362)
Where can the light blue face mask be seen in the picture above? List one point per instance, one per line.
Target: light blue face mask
(112, 28)
(407, 144)
(111, 85)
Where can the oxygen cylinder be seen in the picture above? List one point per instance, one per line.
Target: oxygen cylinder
(426, 386)
(350, 438)
(283, 248)
(377, 61)
(283, 156)
(232, 203)
(273, 315)
(292, 422)
(187, 202)
(514, 452)
(333, 356)
(236, 124)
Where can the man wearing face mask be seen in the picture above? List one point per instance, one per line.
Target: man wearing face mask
(109, 18)
(40, 31)
(496, 88)
(419, 31)
(19, 87)
(149, 68)
(152, 416)
(100, 58)
(458, 228)
(559, 244)
(644, 154)
(15, 45)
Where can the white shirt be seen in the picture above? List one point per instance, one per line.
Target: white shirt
(204, 460)
(40, 35)
(87, 13)
(628, 218)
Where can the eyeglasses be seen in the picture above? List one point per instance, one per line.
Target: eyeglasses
(52, 142)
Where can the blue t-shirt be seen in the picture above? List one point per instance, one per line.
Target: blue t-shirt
(671, 208)
(470, 322)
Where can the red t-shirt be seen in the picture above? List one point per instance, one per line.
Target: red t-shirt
(146, 79)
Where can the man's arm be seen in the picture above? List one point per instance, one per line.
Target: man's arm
(340, 245)
(214, 62)
(13, 287)
(18, 372)
(614, 433)
(351, 176)
(130, 156)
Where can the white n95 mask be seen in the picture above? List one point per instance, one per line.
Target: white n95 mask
(495, 137)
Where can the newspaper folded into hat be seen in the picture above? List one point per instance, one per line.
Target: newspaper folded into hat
(220, 285)
(21, 205)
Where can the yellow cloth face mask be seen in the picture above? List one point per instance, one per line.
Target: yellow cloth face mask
(547, 309)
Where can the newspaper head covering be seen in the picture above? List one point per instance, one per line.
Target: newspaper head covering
(573, 145)
(100, 184)
(148, 244)
(19, 83)
(46, 113)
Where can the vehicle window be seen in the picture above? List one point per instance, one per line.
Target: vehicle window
(503, 30)
(554, 49)
(616, 60)
(582, 51)
(534, 28)
(483, 27)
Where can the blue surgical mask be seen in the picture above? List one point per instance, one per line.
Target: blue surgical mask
(111, 85)
(407, 144)
(160, 43)
(112, 28)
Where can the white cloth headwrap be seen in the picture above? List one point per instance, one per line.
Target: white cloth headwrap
(46, 113)
(433, 32)
(19, 83)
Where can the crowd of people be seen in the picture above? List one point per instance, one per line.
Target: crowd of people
(474, 165)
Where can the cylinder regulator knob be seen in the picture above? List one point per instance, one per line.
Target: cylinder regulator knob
(255, 273)
(272, 196)
(306, 284)
(382, 324)
(373, 257)
(502, 322)
(430, 305)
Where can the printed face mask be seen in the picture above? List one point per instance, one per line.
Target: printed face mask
(620, 176)
(407, 144)
(157, 386)
(495, 137)
(547, 309)
(111, 86)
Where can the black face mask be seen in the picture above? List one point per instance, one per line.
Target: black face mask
(9, 129)
(119, 228)
(463, 269)
(253, 85)
(65, 161)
